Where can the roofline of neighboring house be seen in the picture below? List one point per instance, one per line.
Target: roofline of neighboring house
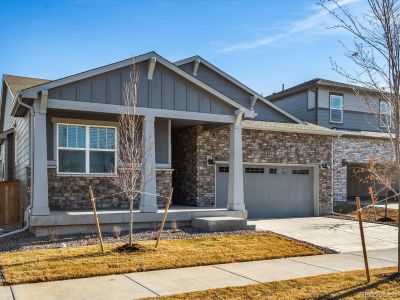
(33, 91)
(238, 83)
(318, 82)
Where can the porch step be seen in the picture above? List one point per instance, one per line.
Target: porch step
(213, 224)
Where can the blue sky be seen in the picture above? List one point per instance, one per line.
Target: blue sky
(261, 43)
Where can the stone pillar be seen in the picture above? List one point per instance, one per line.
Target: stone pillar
(148, 201)
(235, 185)
(40, 193)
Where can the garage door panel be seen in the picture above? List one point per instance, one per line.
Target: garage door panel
(273, 191)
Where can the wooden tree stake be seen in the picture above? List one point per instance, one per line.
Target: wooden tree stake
(96, 218)
(373, 200)
(165, 216)
(363, 238)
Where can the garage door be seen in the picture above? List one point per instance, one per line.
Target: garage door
(270, 191)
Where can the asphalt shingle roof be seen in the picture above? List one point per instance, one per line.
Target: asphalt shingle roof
(18, 83)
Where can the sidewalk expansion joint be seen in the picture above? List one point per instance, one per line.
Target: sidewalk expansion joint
(12, 293)
(314, 265)
(141, 285)
(370, 257)
(219, 268)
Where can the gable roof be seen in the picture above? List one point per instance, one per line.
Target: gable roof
(317, 82)
(32, 92)
(238, 83)
(18, 83)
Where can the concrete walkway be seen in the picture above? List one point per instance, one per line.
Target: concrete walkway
(336, 234)
(174, 281)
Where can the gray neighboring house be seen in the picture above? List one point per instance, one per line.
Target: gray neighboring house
(224, 148)
(360, 122)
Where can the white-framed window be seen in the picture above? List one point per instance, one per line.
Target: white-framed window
(336, 108)
(86, 149)
(385, 116)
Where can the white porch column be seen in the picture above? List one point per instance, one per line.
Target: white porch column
(39, 190)
(235, 185)
(148, 201)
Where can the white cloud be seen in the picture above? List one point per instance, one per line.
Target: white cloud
(314, 24)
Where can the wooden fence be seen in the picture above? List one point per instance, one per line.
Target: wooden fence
(9, 202)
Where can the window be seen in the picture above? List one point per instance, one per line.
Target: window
(336, 108)
(255, 170)
(301, 172)
(224, 169)
(385, 119)
(278, 171)
(85, 149)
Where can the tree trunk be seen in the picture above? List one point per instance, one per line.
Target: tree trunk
(398, 223)
(130, 221)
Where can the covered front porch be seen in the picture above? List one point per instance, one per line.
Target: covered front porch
(61, 200)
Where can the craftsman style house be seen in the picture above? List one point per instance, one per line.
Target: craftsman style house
(224, 148)
(359, 117)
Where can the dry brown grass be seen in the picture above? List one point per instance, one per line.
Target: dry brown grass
(368, 213)
(348, 285)
(66, 263)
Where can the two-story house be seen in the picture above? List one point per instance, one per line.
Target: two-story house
(358, 115)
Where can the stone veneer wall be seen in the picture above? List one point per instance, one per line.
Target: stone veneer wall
(184, 160)
(354, 149)
(258, 147)
(71, 192)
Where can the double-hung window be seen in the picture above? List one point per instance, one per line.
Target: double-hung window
(86, 149)
(336, 108)
(385, 118)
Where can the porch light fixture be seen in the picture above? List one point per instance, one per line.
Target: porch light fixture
(210, 160)
(323, 164)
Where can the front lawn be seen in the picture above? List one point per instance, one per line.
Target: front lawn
(349, 210)
(349, 285)
(77, 262)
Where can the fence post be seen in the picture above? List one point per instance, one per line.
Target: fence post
(363, 238)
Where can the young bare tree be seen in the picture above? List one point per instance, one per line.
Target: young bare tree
(132, 147)
(375, 53)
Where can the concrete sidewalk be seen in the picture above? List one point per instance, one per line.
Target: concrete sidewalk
(174, 281)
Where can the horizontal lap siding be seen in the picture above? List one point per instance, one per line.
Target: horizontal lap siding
(167, 90)
(297, 105)
(351, 120)
(21, 145)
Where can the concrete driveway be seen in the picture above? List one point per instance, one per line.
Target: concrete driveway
(336, 234)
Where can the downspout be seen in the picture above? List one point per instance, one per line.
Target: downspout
(28, 209)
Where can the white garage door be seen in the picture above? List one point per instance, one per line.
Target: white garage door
(271, 191)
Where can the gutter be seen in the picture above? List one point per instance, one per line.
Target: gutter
(28, 209)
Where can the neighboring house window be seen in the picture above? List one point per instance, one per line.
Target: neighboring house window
(385, 118)
(86, 149)
(336, 108)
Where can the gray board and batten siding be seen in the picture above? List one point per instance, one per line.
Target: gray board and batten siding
(161, 129)
(228, 88)
(167, 90)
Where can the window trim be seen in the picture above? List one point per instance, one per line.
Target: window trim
(341, 110)
(87, 150)
(382, 125)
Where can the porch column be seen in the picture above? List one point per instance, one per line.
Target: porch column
(235, 185)
(39, 190)
(148, 201)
